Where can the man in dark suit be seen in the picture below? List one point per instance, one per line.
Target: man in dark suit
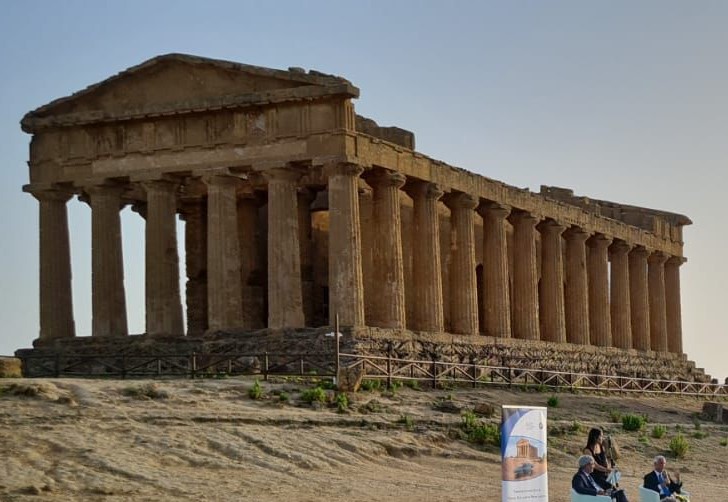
(583, 483)
(661, 482)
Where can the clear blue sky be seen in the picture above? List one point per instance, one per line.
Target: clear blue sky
(620, 100)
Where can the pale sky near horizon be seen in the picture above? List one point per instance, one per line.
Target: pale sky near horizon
(623, 100)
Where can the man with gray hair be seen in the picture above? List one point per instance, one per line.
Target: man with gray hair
(660, 481)
(583, 483)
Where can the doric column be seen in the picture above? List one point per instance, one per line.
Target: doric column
(638, 299)
(224, 300)
(426, 271)
(388, 307)
(600, 328)
(306, 195)
(619, 304)
(672, 298)
(656, 287)
(251, 260)
(194, 213)
(285, 303)
(108, 303)
(496, 289)
(463, 286)
(56, 303)
(163, 305)
(551, 290)
(346, 286)
(576, 290)
(525, 276)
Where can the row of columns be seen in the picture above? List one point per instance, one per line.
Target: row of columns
(578, 299)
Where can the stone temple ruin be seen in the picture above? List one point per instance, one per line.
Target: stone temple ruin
(296, 209)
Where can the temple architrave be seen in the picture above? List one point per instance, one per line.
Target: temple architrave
(296, 210)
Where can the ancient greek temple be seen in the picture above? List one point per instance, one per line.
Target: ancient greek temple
(296, 209)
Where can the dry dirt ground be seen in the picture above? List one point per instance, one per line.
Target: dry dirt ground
(103, 440)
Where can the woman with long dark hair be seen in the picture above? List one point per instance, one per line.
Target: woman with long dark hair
(602, 466)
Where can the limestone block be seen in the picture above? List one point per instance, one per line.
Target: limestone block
(10, 367)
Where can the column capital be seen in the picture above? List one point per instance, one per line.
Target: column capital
(384, 177)
(290, 174)
(494, 208)
(549, 226)
(221, 180)
(520, 216)
(639, 252)
(343, 169)
(657, 258)
(599, 241)
(104, 189)
(575, 233)
(619, 246)
(460, 200)
(424, 189)
(48, 194)
(676, 260)
(162, 185)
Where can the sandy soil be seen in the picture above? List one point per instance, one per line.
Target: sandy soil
(208, 440)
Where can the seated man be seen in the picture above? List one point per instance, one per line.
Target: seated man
(659, 481)
(583, 482)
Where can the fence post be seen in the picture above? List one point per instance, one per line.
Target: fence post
(159, 367)
(475, 374)
(434, 371)
(389, 365)
(266, 367)
(301, 364)
(194, 365)
(337, 364)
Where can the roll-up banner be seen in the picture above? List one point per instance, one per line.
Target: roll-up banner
(523, 454)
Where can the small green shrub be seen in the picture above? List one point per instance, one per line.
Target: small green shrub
(615, 416)
(477, 432)
(679, 446)
(342, 402)
(315, 395)
(700, 434)
(633, 422)
(370, 385)
(413, 384)
(407, 421)
(724, 442)
(643, 439)
(256, 391)
(553, 402)
(658, 431)
(678, 427)
(575, 427)
(284, 397)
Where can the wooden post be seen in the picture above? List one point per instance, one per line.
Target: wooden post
(338, 351)
(265, 368)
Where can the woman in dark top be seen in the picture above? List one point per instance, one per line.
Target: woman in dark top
(602, 466)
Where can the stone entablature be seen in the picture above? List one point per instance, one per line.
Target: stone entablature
(294, 215)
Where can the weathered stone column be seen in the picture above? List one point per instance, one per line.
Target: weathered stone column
(600, 328)
(672, 299)
(163, 305)
(551, 291)
(346, 285)
(426, 273)
(463, 286)
(496, 288)
(525, 276)
(194, 213)
(251, 261)
(638, 298)
(56, 299)
(576, 290)
(108, 303)
(619, 304)
(224, 300)
(388, 269)
(306, 195)
(656, 287)
(285, 303)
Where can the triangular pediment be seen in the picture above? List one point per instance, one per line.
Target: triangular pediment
(178, 83)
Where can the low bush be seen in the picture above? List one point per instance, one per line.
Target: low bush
(370, 385)
(615, 416)
(407, 421)
(633, 422)
(553, 402)
(679, 446)
(315, 395)
(342, 402)
(145, 391)
(724, 442)
(477, 432)
(256, 391)
(658, 431)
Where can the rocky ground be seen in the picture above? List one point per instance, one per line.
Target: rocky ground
(104, 440)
